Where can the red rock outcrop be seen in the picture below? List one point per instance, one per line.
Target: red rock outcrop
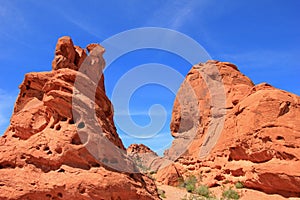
(139, 149)
(148, 161)
(259, 126)
(170, 174)
(144, 158)
(44, 153)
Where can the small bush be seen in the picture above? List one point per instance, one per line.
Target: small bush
(161, 193)
(189, 183)
(230, 194)
(191, 180)
(192, 197)
(203, 190)
(239, 185)
(181, 182)
(152, 172)
(196, 197)
(190, 187)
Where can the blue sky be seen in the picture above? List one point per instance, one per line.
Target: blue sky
(261, 37)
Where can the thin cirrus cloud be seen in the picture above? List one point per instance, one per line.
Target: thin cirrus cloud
(268, 65)
(263, 57)
(173, 14)
(188, 12)
(12, 22)
(74, 15)
(15, 29)
(80, 23)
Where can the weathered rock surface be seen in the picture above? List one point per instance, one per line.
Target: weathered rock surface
(139, 149)
(42, 154)
(144, 158)
(259, 143)
(170, 174)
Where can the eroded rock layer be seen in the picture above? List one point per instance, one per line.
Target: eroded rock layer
(42, 156)
(259, 143)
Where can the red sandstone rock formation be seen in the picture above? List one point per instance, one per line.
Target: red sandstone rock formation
(145, 159)
(259, 142)
(139, 149)
(42, 154)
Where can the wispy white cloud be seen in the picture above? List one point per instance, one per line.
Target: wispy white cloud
(277, 67)
(186, 11)
(75, 16)
(264, 58)
(82, 24)
(174, 14)
(12, 23)
(11, 17)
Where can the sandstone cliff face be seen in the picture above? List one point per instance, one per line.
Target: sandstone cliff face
(134, 149)
(143, 157)
(146, 160)
(259, 143)
(42, 154)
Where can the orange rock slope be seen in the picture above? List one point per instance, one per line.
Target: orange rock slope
(259, 132)
(42, 155)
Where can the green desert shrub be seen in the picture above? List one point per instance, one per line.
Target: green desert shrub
(161, 193)
(203, 190)
(196, 197)
(190, 183)
(192, 197)
(181, 182)
(190, 187)
(191, 180)
(230, 194)
(239, 185)
(152, 172)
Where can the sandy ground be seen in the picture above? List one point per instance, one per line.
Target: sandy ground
(174, 193)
